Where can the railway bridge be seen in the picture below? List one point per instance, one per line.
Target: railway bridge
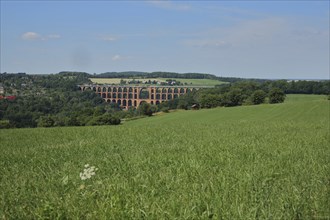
(127, 96)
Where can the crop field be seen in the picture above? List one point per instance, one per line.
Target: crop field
(192, 82)
(249, 162)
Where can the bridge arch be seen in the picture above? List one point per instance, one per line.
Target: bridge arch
(144, 93)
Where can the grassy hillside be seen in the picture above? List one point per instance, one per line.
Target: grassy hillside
(252, 162)
(192, 82)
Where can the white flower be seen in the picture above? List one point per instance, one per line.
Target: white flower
(88, 172)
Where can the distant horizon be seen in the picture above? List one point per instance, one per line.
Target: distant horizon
(224, 76)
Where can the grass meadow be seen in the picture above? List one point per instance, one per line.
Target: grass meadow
(191, 82)
(249, 162)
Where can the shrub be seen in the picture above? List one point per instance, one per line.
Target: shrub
(276, 95)
(4, 124)
(258, 97)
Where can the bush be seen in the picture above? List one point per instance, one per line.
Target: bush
(258, 97)
(276, 95)
(165, 109)
(4, 124)
(105, 119)
(45, 121)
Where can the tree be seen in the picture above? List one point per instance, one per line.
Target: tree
(234, 97)
(210, 100)
(258, 97)
(146, 109)
(276, 95)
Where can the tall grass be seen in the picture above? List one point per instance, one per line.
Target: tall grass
(252, 162)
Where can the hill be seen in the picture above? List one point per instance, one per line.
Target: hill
(171, 75)
(265, 161)
(187, 82)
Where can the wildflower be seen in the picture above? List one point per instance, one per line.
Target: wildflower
(88, 172)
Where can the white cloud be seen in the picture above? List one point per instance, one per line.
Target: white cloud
(249, 33)
(31, 36)
(213, 43)
(35, 36)
(169, 5)
(108, 38)
(116, 57)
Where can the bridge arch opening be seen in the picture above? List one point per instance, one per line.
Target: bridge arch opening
(144, 93)
(125, 89)
(120, 89)
(109, 89)
(142, 102)
(104, 89)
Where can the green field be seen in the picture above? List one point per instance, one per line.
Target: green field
(192, 82)
(250, 162)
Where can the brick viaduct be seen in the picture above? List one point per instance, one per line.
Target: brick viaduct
(133, 96)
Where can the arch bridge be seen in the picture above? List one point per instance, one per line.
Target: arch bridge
(132, 96)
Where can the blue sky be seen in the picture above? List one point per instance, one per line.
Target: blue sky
(259, 39)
